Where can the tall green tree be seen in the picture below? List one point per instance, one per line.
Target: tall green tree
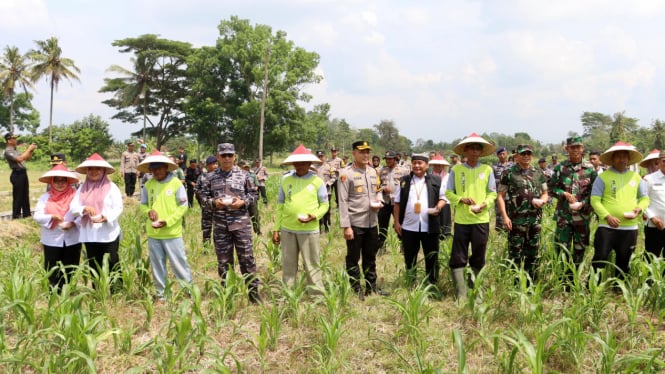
(389, 137)
(14, 73)
(82, 138)
(228, 84)
(25, 116)
(658, 129)
(49, 63)
(155, 89)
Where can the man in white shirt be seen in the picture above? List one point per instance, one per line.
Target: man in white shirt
(654, 230)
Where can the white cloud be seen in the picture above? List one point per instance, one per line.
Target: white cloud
(22, 14)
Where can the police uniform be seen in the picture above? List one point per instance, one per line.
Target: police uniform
(261, 176)
(232, 227)
(128, 163)
(19, 180)
(324, 171)
(389, 178)
(336, 164)
(357, 187)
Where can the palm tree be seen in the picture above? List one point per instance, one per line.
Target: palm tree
(14, 70)
(134, 88)
(49, 63)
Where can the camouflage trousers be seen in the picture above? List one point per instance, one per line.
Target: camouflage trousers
(206, 225)
(240, 238)
(577, 234)
(523, 244)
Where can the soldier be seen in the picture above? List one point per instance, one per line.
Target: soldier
(471, 191)
(302, 200)
(329, 179)
(522, 194)
(229, 191)
(128, 163)
(206, 212)
(498, 168)
(262, 176)
(389, 177)
(192, 174)
(359, 201)
(253, 208)
(571, 184)
(618, 197)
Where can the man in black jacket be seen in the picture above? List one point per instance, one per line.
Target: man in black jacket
(418, 201)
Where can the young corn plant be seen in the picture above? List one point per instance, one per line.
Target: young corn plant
(331, 328)
(414, 311)
(292, 298)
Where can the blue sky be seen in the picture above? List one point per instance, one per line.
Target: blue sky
(439, 69)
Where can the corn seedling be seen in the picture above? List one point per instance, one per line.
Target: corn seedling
(414, 311)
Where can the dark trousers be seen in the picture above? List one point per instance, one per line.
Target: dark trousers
(430, 242)
(654, 241)
(463, 235)
(622, 241)
(446, 219)
(95, 253)
(324, 223)
(206, 225)
(364, 244)
(130, 183)
(20, 194)
(253, 210)
(190, 195)
(67, 256)
(384, 222)
(262, 192)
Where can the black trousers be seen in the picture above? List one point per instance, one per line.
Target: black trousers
(654, 241)
(69, 256)
(622, 241)
(20, 194)
(95, 253)
(130, 183)
(463, 235)
(262, 192)
(384, 215)
(364, 244)
(412, 241)
(190, 195)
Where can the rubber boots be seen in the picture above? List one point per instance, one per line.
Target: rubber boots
(460, 283)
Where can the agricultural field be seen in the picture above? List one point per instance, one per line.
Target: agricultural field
(600, 326)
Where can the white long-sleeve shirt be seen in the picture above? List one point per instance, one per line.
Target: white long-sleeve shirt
(656, 191)
(104, 232)
(55, 237)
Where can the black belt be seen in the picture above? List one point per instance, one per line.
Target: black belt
(19, 170)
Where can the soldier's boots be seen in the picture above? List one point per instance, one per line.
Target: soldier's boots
(254, 296)
(460, 283)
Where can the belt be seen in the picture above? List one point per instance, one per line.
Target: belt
(19, 170)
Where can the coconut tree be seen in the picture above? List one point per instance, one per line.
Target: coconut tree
(14, 72)
(49, 63)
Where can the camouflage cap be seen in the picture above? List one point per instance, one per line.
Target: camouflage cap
(521, 148)
(574, 140)
(226, 148)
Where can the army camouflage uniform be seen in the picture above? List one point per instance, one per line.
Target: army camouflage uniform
(498, 170)
(206, 212)
(521, 187)
(572, 226)
(232, 227)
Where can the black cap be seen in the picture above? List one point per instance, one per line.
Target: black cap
(390, 154)
(542, 159)
(192, 161)
(211, 160)
(320, 153)
(361, 145)
(57, 158)
(10, 135)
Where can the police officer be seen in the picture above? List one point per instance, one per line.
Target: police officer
(324, 171)
(19, 176)
(359, 202)
(389, 177)
(229, 191)
(128, 163)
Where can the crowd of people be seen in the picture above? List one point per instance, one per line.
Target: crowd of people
(428, 199)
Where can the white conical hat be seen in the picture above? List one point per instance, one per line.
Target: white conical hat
(94, 161)
(59, 170)
(438, 160)
(653, 155)
(488, 148)
(634, 154)
(301, 154)
(156, 157)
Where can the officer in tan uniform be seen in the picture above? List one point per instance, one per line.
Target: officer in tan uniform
(389, 177)
(324, 171)
(359, 202)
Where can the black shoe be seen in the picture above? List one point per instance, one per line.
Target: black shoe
(360, 294)
(254, 296)
(377, 291)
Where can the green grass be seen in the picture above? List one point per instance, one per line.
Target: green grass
(203, 327)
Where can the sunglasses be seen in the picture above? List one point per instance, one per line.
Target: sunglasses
(226, 155)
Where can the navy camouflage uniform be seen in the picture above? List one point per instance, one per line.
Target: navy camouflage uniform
(206, 211)
(572, 225)
(232, 227)
(521, 187)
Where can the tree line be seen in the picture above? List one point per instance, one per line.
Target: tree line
(214, 94)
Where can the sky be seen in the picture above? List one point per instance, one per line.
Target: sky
(439, 69)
